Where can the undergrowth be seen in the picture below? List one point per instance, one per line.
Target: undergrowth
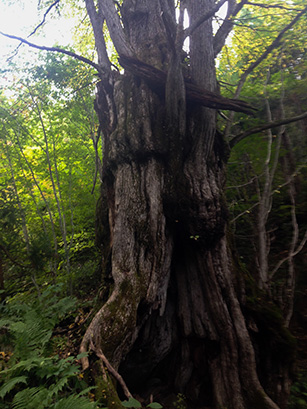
(298, 398)
(32, 376)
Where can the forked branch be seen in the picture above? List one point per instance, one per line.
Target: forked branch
(223, 32)
(291, 254)
(116, 31)
(54, 4)
(188, 31)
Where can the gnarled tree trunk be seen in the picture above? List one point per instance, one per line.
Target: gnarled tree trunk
(173, 321)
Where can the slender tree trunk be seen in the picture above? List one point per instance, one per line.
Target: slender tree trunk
(2, 288)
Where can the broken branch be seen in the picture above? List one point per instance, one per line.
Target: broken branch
(194, 94)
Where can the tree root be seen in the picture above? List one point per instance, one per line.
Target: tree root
(111, 369)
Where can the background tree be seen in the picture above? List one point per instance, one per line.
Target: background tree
(47, 168)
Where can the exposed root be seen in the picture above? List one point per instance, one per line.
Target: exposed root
(112, 371)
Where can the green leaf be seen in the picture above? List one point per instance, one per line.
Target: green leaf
(154, 405)
(131, 403)
(82, 355)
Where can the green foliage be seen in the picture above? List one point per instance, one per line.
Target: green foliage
(31, 323)
(134, 403)
(181, 402)
(33, 378)
(46, 170)
(298, 397)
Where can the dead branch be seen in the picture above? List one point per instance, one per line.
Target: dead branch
(236, 139)
(194, 94)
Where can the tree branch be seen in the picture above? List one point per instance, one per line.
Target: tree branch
(36, 28)
(54, 49)
(261, 128)
(170, 25)
(294, 253)
(97, 24)
(188, 31)
(252, 66)
(226, 27)
(272, 6)
(115, 28)
(11, 258)
(273, 45)
(44, 17)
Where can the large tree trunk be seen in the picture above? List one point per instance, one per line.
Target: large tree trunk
(173, 322)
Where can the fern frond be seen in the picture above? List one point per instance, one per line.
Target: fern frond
(26, 365)
(10, 384)
(31, 398)
(86, 390)
(73, 402)
(55, 389)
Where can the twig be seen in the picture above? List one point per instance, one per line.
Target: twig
(244, 184)
(272, 6)
(44, 17)
(36, 28)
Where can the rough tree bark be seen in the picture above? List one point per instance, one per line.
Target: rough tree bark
(173, 321)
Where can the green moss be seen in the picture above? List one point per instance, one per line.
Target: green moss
(106, 393)
(120, 318)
